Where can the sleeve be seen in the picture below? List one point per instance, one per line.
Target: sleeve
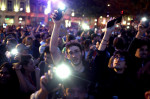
(133, 46)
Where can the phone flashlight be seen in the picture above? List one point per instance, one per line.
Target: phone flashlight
(144, 19)
(14, 52)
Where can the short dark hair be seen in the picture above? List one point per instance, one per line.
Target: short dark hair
(74, 44)
(47, 50)
(25, 59)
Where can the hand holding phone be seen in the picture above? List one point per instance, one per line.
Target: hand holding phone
(112, 22)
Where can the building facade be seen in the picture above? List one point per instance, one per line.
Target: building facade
(24, 12)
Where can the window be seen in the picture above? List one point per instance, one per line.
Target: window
(22, 7)
(10, 5)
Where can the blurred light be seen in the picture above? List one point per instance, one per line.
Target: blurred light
(128, 27)
(129, 18)
(144, 19)
(14, 52)
(95, 20)
(85, 26)
(128, 23)
(43, 25)
(22, 27)
(101, 17)
(16, 9)
(107, 16)
(20, 19)
(73, 14)
(21, 9)
(117, 25)
(6, 18)
(108, 5)
(3, 7)
(104, 21)
(124, 22)
(95, 24)
(63, 71)
(28, 10)
(46, 11)
(61, 6)
(83, 15)
(54, 0)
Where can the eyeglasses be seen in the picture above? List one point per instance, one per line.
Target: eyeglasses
(120, 58)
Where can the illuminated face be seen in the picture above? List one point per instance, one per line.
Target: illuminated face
(4, 75)
(47, 58)
(142, 52)
(75, 55)
(75, 93)
(119, 64)
(30, 66)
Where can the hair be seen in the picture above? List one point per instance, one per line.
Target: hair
(93, 36)
(25, 59)
(48, 40)
(118, 43)
(70, 37)
(37, 36)
(47, 50)
(73, 44)
(9, 67)
(87, 42)
(128, 60)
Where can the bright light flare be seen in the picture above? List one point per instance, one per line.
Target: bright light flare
(61, 6)
(14, 52)
(63, 71)
(144, 19)
(85, 26)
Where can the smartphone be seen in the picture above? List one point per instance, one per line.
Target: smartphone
(112, 22)
(145, 23)
(59, 14)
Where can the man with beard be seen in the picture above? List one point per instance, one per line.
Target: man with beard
(75, 55)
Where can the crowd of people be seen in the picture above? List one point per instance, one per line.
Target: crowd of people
(114, 64)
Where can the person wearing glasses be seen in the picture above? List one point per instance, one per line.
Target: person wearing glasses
(114, 82)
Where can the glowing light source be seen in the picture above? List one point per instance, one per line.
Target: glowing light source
(21, 9)
(20, 19)
(14, 52)
(61, 6)
(95, 24)
(48, 9)
(129, 18)
(3, 7)
(108, 5)
(101, 17)
(85, 26)
(128, 23)
(73, 14)
(144, 19)
(63, 71)
(124, 22)
(117, 25)
(128, 27)
(95, 20)
(28, 9)
(104, 21)
(16, 9)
